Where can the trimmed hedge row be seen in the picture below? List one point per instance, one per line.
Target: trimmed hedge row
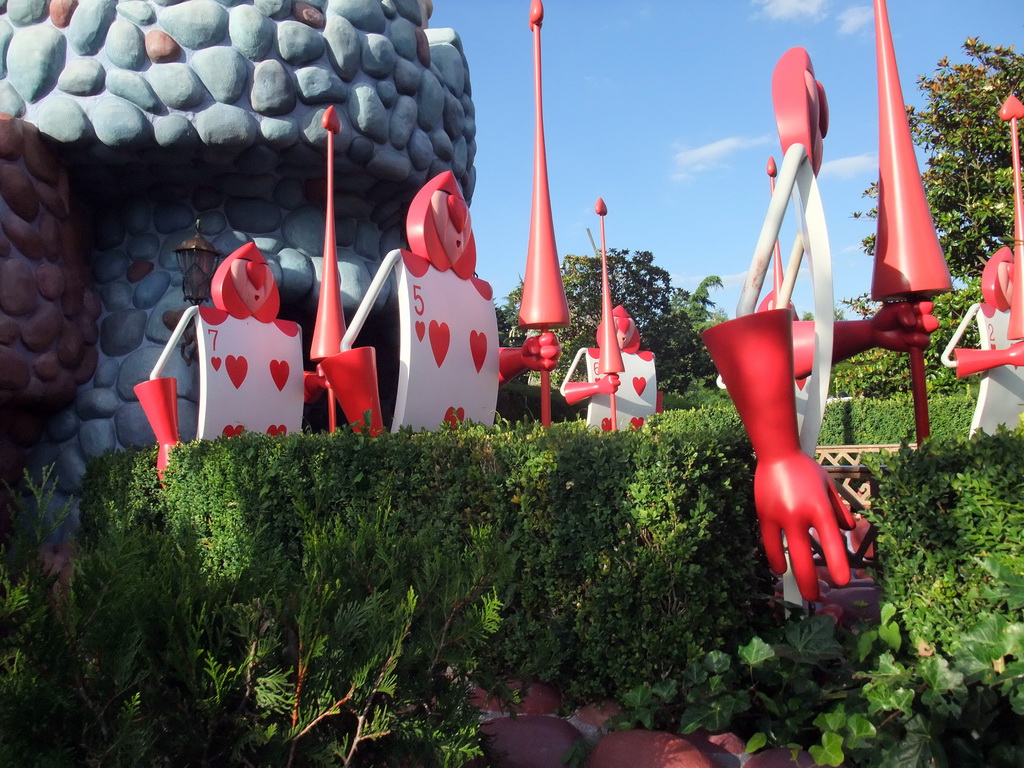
(632, 554)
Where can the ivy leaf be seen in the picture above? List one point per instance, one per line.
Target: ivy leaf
(830, 752)
(811, 641)
(756, 742)
(756, 652)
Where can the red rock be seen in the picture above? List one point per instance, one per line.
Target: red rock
(422, 47)
(41, 161)
(14, 371)
(730, 742)
(51, 236)
(858, 604)
(24, 428)
(42, 329)
(10, 330)
(50, 281)
(12, 137)
(138, 270)
(23, 236)
(54, 197)
(307, 14)
(781, 758)
(161, 47)
(17, 287)
(596, 715)
(18, 191)
(528, 741)
(61, 12)
(12, 463)
(47, 366)
(87, 367)
(535, 699)
(646, 749)
(70, 346)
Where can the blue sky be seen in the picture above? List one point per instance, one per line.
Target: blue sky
(664, 110)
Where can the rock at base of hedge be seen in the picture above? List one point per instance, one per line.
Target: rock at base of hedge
(647, 749)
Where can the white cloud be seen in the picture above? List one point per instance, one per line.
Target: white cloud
(783, 10)
(849, 167)
(687, 161)
(855, 19)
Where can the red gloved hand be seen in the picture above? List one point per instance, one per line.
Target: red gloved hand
(541, 353)
(900, 325)
(607, 385)
(794, 494)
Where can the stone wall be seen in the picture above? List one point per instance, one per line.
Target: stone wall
(167, 113)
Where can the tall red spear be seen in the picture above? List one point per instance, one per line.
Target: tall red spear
(610, 359)
(330, 317)
(1012, 110)
(543, 305)
(777, 274)
(909, 264)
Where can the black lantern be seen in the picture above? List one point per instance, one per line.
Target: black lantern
(197, 259)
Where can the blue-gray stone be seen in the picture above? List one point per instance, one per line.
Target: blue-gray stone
(345, 232)
(272, 90)
(156, 331)
(367, 15)
(175, 131)
(469, 128)
(195, 23)
(97, 403)
(289, 194)
(188, 420)
(454, 118)
(403, 121)
(223, 70)
(252, 215)
(387, 92)
(176, 85)
(296, 275)
(231, 240)
(390, 239)
(69, 468)
(360, 150)
(258, 160)
(206, 197)
(367, 240)
(355, 277)
(25, 12)
(368, 113)
(356, 206)
(318, 85)
(421, 151)
(410, 9)
(63, 425)
(120, 124)
(450, 64)
(460, 156)
(212, 222)
(279, 132)
(35, 59)
(139, 364)
(138, 11)
(275, 9)
(11, 102)
(108, 230)
(97, 437)
(122, 331)
(468, 109)
(88, 28)
(82, 77)
(109, 265)
(403, 37)
(40, 460)
(390, 164)
(314, 134)
(407, 77)
(430, 101)
(6, 33)
(442, 36)
(303, 229)
(143, 247)
(298, 44)
(222, 125)
(150, 289)
(116, 295)
(389, 9)
(269, 246)
(251, 32)
(133, 87)
(105, 376)
(132, 426)
(378, 55)
(343, 47)
(320, 5)
(246, 184)
(126, 45)
(167, 217)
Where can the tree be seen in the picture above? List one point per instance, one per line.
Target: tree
(669, 319)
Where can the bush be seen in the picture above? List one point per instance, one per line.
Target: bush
(862, 421)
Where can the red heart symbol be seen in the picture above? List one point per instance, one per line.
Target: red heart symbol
(454, 416)
(279, 429)
(279, 372)
(256, 273)
(421, 328)
(237, 368)
(440, 338)
(639, 384)
(636, 422)
(478, 346)
(457, 212)
(232, 430)
(483, 288)
(606, 425)
(646, 356)
(215, 362)
(1012, 108)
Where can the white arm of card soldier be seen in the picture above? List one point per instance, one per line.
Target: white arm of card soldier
(179, 330)
(366, 305)
(572, 370)
(947, 353)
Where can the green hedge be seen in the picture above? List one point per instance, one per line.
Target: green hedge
(632, 553)
(863, 421)
(950, 518)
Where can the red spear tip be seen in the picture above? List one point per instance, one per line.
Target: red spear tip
(600, 208)
(1011, 109)
(330, 120)
(772, 169)
(536, 14)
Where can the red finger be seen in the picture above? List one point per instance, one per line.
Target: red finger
(833, 544)
(802, 561)
(844, 517)
(771, 535)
